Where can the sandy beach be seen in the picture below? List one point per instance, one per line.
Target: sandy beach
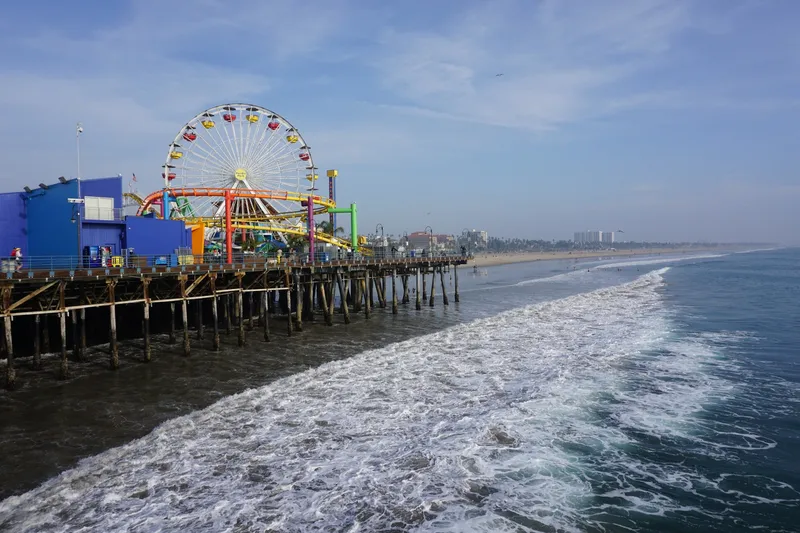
(485, 260)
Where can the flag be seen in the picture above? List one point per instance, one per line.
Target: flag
(134, 177)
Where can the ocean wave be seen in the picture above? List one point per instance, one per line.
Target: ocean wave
(527, 420)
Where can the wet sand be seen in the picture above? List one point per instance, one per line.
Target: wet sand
(485, 260)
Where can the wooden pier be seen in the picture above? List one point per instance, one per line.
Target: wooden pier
(38, 305)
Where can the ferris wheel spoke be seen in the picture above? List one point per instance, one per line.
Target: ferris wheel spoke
(259, 143)
(213, 152)
(222, 144)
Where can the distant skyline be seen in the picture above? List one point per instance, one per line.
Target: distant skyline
(673, 120)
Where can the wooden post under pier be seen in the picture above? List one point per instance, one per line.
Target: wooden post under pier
(419, 302)
(172, 323)
(83, 333)
(394, 291)
(64, 373)
(265, 312)
(326, 310)
(455, 276)
(367, 294)
(76, 345)
(214, 312)
(185, 316)
(444, 291)
(250, 311)
(114, 355)
(404, 278)
(288, 301)
(342, 293)
(146, 326)
(11, 373)
(298, 283)
(240, 310)
(37, 337)
(433, 286)
(424, 284)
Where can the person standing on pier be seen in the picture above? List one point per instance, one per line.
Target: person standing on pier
(16, 255)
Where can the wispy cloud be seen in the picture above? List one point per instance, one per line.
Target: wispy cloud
(561, 61)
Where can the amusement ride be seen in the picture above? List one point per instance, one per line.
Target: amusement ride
(247, 176)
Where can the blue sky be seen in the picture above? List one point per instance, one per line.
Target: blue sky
(672, 119)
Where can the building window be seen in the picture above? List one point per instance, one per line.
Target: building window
(99, 208)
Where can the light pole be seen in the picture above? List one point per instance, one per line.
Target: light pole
(78, 131)
(429, 230)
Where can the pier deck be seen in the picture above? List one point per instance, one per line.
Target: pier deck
(294, 290)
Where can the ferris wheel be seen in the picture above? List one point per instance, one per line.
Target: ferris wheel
(239, 147)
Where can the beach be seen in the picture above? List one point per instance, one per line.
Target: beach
(485, 260)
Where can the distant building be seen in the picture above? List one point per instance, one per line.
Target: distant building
(477, 238)
(593, 237)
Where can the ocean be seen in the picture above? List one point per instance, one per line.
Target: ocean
(657, 394)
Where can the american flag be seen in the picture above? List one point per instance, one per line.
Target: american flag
(134, 177)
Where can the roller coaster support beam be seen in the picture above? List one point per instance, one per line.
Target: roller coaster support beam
(228, 229)
(353, 222)
(165, 205)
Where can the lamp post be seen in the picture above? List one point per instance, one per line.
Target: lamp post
(78, 131)
(429, 230)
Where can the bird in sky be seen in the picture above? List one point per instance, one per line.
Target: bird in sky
(498, 75)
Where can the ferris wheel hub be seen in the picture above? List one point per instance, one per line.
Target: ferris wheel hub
(240, 174)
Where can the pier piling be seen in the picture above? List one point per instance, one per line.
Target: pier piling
(264, 320)
(11, 374)
(288, 302)
(147, 351)
(419, 303)
(73, 319)
(301, 289)
(343, 295)
(240, 313)
(298, 283)
(394, 291)
(185, 317)
(444, 290)
(172, 323)
(455, 277)
(367, 294)
(64, 374)
(37, 336)
(83, 333)
(433, 286)
(114, 354)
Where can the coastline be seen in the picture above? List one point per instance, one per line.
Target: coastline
(486, 260)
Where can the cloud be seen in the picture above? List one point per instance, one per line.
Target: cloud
(562, 61)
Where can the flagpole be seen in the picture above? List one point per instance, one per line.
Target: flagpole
(78, 131)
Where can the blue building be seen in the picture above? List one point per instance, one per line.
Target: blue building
(54, 224)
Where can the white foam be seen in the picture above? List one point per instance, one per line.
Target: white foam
(500, 424)
(659, 261)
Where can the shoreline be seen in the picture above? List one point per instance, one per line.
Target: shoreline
(487, 260)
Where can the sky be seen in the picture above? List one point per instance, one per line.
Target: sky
(674, 120)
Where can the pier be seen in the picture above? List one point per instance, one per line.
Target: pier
(42, 304)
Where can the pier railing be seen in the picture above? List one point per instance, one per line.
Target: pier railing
(11, 268)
